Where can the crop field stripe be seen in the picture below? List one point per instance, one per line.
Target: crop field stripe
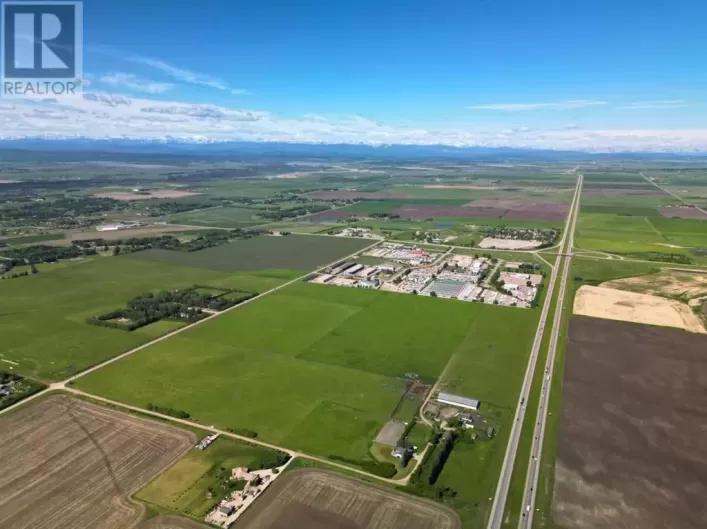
(193, 424)
(200, 322)
(84, 461)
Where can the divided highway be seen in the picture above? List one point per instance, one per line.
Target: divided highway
(504, 481)
(533, 475)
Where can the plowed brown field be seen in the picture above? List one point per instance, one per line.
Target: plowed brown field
(68, 464)
(316, 499)
(632, 451)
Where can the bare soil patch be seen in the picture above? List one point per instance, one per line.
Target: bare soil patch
(391, 433)
(68, 464)
(507, 244)
(147, 195)
(601, 302)
(352, 195)
(317, 499)
(125, 234)
(513, 209)
(170, 522)
(682, 212)
(668, 283)
(631, 449)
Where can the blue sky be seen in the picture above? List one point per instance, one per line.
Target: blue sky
(447, 70)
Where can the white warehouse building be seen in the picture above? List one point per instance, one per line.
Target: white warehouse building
(456, 400)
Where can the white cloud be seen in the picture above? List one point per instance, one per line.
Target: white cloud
(557, 105)
(186, 76)
(133, 82)
(100, 115)
(660, 104)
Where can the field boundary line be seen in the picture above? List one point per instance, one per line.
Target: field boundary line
(674, 195)
(253, 441)
(209, 318)
(96, 367)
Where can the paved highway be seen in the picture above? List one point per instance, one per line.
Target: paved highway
(504, 481)
(533, 475)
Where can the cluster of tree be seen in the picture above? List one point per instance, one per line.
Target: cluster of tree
(61, 211)
(185, 305)
(179, 414)
(528, 268)
(268, 459)
(422, 481)
(245, 432)
(676, 258)
(168, 242)
(289, 213)
(448, 441)
(158, 208)
(496, 280)
(546, 237)
(390, 216)
(6, 268)
(42, 253)
(14, 388)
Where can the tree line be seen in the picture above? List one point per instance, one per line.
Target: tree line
(183, 305)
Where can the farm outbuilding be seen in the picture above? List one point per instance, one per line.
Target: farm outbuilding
(456, 400)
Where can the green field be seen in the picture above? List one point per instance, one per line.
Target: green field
(220, 217)
(31, 239)
(184, 486)
(640, 234)
(291, 252)
(43, 316)
(318, 368)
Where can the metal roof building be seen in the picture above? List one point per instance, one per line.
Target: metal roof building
(456, 400)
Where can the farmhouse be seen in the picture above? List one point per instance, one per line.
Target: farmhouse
(460, 402)
(466, 420)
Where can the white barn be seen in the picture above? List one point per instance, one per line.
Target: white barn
(456, 400)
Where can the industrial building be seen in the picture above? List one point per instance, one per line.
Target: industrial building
(460, 402)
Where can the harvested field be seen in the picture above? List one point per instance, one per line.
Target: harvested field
(115, 235)
(682, 212)
(520, 209)
(147, 195)
(631, 449)
(668, 283)
(491, 208)
(316, 499)
(68, 464)
(352, 195)
(169, 522)
(607, 303)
